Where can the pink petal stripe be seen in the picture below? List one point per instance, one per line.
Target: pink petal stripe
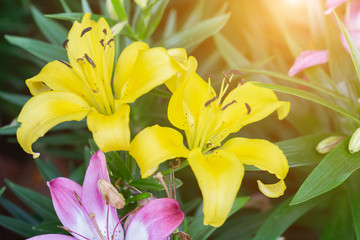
(52, 237)
(308, 59)
(105, 216)
(332, 4)
(71, 214)
(156, 220)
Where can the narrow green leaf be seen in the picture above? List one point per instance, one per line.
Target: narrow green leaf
(170, 24)
(18, 226)
(196, 34)
(39, 203)
(17, 99)
(232, 56)
(137, 197)
(42, 50)
(17, 212)
(296, 80)
(353, 193)
(333, 170)
(76, 16)
(195, 15)
(47, 169)
(283, 216)
(2, 190)
(50, 227)
(78, 174)
(53, 31)
(118, 166)
(65, 6)
(354, 51)
(157, 12)
(191, 205)
(119, 9)
(311, 97)
(85, 6)
(198, 230)
(152, 184)
(10, 129)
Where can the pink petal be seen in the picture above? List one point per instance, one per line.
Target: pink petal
(71, 214)
(105, 215)
(52, 237)
(308, 59)
(352, 21)
(355, 35)
(332, 4)
(156, 220)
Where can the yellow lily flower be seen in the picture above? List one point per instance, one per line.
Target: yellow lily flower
(207, 119)
(84, 87)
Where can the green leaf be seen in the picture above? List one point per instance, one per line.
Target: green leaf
(10, 129)
(191, 205)
(42, 50)
(78, 174)
(119, 9)
(156, 14)
(47, 169)
(333, 170)
(39, 203)
(2, 190)
(170, 24)
(353, 195)
(50, 227)
(296, 80)
(196, 34)
(198, 230)
(137, 197)
(17, 212)
(85, 6)
(17, 99)
(65, 6)
(53, 31)
(311, 97)
(232, 56)
(18, 226)
(283, 216)
(118, 166)
(354, 51)
(78, 17)
(149, 184)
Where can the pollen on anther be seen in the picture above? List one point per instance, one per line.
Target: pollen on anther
(68, 65)
(90, 60)
(64, 44)
(85, 31)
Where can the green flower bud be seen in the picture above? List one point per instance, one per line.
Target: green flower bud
(327, 144)
(354, 145)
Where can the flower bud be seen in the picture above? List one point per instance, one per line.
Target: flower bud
(110, 194)
(327, 144)
(354, 145)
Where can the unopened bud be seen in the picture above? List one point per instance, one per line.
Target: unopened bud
(327, 144)
(110, 194)
(354, 145)
(116, 29)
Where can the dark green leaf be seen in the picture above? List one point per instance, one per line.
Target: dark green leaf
(137, 197)
(85, 6)
(151, 184)
(17, 99)
(17, 212)
(119, 9)
(2, 190)
(18, 226)
(118, 166)
(78, 17)
(47, 169)
(283, 216)
(198, 230)
(353, 193)
(50, 227)
(156, 15)
(333, 170)
(39, 203)
(53, 31)
(191, 205)
(10, 129)
(42, 50)
(78, 174)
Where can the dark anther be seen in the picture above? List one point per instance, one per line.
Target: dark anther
(233, 72)
(226, 77)
(65, 63)
(208, 75)
(109, 41)
(80, 59)
(227, 105)
(102, 42)
(248, 108)
(78, 198)
(104, 31)
(64, 44)
(85, 31)
(90, 61)
(210, 101)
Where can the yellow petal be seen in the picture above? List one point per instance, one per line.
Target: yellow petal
(272, 190)
(111, 132)
(264, 155)
(46, 110)
(219, 175)
(125, 65)
(155, 145)
(58, 76)
(151, 68)
(248, 103)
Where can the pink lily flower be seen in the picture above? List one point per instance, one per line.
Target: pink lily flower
(308, 59)
(86, 215)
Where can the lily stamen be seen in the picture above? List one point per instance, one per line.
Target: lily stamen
(93, 220)
(85, 31)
